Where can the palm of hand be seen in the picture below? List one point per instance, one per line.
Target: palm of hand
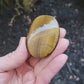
(14, 69)
(30, 73)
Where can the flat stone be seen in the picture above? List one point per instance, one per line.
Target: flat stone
(43, 36)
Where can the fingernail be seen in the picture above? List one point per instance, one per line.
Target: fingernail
(67, 40)
(64, 30)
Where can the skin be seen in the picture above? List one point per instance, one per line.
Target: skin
(19, 67)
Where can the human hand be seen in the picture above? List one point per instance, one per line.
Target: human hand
(19, 67)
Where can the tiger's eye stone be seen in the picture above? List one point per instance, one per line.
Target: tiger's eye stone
(43, 36)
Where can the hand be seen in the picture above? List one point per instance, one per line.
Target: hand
(19, 67)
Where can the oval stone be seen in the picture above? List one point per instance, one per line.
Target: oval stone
(43, 36)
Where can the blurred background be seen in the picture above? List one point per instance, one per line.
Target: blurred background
(16, 17)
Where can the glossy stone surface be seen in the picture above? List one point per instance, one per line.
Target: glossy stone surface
(43, 36)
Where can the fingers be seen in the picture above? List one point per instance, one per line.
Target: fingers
(16, 58)
(51, 69)
(61, 47)
(62, 32)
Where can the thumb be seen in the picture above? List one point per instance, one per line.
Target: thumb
(16, 58)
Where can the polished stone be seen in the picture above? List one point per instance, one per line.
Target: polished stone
(43, 36)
